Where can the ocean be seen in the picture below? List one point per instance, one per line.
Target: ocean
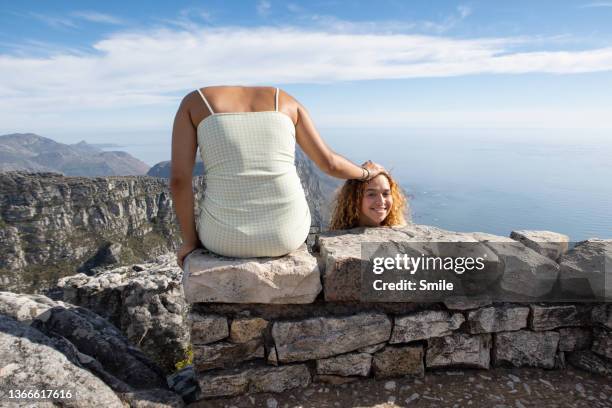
(485, 180)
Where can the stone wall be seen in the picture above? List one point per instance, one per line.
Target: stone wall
(242, 345)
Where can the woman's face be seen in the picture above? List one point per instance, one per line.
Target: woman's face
(376, 202)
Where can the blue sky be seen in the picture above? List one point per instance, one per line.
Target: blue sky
(116, 71)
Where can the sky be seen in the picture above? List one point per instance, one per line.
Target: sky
(115, 71)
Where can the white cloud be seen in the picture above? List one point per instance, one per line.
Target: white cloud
(95, 17)
(54, 21)
(149, 69)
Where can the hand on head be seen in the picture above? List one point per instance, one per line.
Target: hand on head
(374, 168)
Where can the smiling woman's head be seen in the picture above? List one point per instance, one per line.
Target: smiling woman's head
(374, 203)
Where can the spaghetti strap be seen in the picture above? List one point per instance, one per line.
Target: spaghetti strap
(276, 101)
(206, 102)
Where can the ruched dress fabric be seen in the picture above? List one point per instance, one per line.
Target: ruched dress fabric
(254, 204)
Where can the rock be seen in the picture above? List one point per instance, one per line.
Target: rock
(602, 314)
(390, 385)
(459, 350)
(225, 354)
(92, 341)
(272, 357)
(525, 348)
(184, 383)
(207, 329)
(340, 257)
(371, 349)
(341, 260)
(30, 361)
(346, 364)
(397, 361)
(57, 224)
(223, 384)
(550, 244)
(253, 378)
(148, 306)
(424, 325)
(602, 343)
(591, 362)
(574, 338)
(497, 319)
(526, 273)
(551, 317)
(153, 398)
(466, 302)
(279, 379)
(271, 403)
(322, 337)
(585, 270)
(290, 279)
(246, 329)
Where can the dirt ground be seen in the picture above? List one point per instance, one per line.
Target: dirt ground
(517, 388)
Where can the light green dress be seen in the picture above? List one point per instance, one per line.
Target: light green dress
(254, 204)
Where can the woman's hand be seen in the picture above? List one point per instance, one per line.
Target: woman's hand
(374, 168)
(185, 250)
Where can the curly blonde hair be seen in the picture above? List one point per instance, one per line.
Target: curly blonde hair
(348, 203)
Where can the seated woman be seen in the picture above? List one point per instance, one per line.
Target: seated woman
(369, 203)
(254, 204)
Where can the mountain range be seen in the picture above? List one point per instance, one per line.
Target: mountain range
(31, 152)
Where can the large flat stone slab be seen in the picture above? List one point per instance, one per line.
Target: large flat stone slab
(550, 244)
(525, 348)
(459, 350)
(289, 279)
(586, 270)
(545, 317)
(251, 379)
(322, 337)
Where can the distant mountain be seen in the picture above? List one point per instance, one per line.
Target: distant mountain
(30, 152)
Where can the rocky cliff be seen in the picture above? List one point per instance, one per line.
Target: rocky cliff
(53, 226)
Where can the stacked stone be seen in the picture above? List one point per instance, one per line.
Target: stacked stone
(248, 343)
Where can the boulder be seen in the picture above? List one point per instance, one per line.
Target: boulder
(91, 340)
(397, 361)
(574, 339)
(424, 325)
(525, 348)
(208, 328)
(346, 365)
(29, 360)
(459, 350)
(497, 319)
(544, 317)
(550, 244)
(322, 337)
(290, 279)
(586, 270)
(144, 301)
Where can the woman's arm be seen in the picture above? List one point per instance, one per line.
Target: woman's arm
(184, 148)
(326, 159)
